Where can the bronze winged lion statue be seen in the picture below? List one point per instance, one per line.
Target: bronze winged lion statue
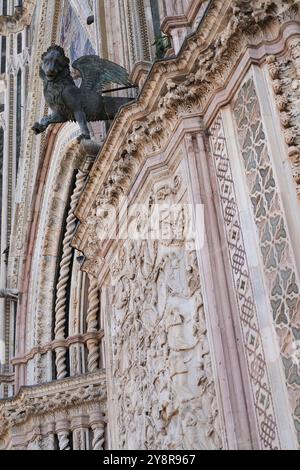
(85, 103)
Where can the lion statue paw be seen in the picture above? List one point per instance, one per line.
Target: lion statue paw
(83, 137)
(38, 128)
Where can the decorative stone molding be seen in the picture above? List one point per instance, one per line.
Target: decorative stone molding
(51, 195)
(279, 267)
(19, 20)
(65, 266)
(139, 73)
(30, 152)
(11, 294)
(54, 397)
(7, 378)
(67, 156)
(184, 19)
(254, 350)
(45, 10)
(205, 63)
(285, 76)
(91, 336)
(174, 89)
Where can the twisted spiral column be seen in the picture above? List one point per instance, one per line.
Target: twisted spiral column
(92, 324)
(64, 273)
(63, 441)
(98, 436)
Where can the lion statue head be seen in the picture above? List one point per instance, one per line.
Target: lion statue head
(54, 64)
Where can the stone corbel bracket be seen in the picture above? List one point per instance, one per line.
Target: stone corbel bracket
(19, 20)
(89, 149)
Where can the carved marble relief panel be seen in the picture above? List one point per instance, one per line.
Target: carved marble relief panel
(276, 252)
(161, 363)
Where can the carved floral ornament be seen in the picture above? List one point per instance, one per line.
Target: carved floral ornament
(285, 76)
(206, 61)
(52, 398)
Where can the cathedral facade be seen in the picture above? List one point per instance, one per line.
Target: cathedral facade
(150, 276)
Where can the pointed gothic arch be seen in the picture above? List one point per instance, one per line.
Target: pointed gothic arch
(64, 318)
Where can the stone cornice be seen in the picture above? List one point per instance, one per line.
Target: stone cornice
(64, 343)
(204, 64)
(19, 20)
(55, 396)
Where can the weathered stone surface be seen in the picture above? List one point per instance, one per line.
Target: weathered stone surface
(179, 335)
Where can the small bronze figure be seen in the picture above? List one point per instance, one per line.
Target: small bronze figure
(71, 103)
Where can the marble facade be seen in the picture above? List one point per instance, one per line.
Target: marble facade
(158, 266)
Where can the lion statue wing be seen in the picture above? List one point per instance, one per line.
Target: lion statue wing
(96, 72)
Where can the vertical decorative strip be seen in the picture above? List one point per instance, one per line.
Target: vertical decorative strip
(10, 154)
(131, 33)
(144, 36)
(56, 16)
(257, 368)
(103, 30)
(276, 253)
(10, 189)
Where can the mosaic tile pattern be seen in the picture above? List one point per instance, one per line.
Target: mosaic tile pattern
(257, 368)
(279, 270)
